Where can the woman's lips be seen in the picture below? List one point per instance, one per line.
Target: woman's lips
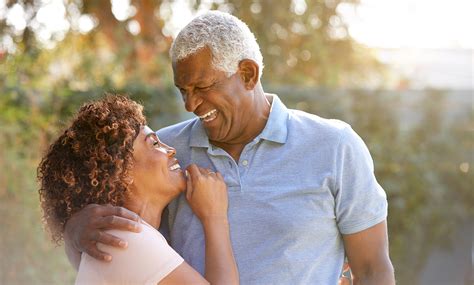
(175, 166)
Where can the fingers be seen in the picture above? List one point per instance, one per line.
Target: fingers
(119, 223)
(111, 240)
(95, 210)
(189, 186)
(93, 251)
(204, 171)
(107, 239)
(125, 213)
(346, 273)
(194, 172)
(345, 267)
(344, 281)
(109, 210)
(208, 172)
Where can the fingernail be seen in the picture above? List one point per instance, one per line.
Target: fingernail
(187, 173)
(122, 244)
(108, 258)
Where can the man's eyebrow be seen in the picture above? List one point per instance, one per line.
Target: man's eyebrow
(199, 81)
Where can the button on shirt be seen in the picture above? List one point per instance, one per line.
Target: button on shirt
(298, 186)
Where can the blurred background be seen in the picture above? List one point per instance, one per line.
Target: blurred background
(400, 72)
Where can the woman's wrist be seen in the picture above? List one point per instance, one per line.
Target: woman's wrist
(212, 221)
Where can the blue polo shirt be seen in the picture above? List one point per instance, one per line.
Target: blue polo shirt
(297, 187)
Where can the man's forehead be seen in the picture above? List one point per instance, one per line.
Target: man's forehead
(193, 74)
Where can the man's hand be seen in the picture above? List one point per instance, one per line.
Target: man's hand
(87, 227)
(346, 276)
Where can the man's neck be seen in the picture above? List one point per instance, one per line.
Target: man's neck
(259, 121)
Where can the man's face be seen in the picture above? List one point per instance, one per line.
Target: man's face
(223, 104)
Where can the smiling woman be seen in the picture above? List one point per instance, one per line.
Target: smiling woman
(91, 161)
(109, 156)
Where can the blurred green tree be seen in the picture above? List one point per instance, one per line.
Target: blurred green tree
(422, 162)
(305, 42)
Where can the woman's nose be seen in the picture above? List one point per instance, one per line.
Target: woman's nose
(170, 150)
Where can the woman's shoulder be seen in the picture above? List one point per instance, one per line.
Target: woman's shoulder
(146, 237)
(147, 258)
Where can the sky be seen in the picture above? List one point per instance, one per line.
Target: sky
(394, 23)
(412, 23)
(375, 23)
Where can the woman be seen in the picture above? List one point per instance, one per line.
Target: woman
(109, 156)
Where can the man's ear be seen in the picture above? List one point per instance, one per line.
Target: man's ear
(249, 73)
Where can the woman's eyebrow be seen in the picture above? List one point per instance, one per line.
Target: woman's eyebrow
(152, 135)
(149, 135)
(148, 132)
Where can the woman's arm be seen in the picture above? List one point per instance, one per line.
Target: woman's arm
(207, 195)
(220, 262)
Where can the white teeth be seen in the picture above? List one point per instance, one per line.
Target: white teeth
(212, 112)
(175, 166)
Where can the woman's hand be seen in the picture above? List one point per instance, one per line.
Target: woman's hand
(206, 194)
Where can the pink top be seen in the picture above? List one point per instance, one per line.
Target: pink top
(147, 260)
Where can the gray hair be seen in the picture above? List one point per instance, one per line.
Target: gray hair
(229, 39)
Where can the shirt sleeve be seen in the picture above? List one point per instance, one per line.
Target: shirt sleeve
(147, 260)
(360, 201)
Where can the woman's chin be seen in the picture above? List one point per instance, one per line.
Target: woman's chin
(183, 183)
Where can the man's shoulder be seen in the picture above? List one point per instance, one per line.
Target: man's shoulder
(307, 123)
(177, 133)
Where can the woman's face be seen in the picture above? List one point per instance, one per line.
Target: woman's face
(155, 168)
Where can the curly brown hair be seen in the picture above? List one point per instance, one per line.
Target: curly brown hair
(90, 162)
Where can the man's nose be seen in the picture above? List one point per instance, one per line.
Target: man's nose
(191, 101)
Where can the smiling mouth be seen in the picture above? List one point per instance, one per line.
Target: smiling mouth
(175, 166)
(209, 116)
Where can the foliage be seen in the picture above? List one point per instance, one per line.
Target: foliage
(33, 112)
(417, 143)
(305, 42)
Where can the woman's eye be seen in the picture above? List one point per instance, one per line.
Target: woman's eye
(155, 143)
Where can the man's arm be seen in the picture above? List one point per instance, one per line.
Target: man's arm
(73, 255)
(87, 227)
(367, 252)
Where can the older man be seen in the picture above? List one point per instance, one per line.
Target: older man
(302, 190)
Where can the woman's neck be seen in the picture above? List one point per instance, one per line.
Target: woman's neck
(148, 209)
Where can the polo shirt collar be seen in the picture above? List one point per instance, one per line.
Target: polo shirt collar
(198, 135)
(275, 130)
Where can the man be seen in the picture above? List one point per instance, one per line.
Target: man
(302, 192)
